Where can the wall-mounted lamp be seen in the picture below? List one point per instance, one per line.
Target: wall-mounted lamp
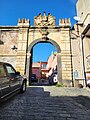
(13, 47)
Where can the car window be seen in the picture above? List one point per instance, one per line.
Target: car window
(10, 70)
(2, 71)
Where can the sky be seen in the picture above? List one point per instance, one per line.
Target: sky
(11, 10)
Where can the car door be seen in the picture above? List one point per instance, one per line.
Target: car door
(14, 78)
(4, 82)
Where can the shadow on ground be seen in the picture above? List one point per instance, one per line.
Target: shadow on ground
(38, 103)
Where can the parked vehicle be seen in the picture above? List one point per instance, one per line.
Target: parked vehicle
(53, 79)
(34, 78)
(10, 80)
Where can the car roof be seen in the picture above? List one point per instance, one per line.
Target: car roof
(2, 63)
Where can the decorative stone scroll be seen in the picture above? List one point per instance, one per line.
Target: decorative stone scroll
(44, 34)
(44, 20)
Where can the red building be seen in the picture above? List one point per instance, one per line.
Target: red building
(36, 70)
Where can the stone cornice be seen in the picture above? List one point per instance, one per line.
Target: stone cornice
(33, 27)
(9, 28)
(48, 27)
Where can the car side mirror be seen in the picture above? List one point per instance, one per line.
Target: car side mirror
(17, 73)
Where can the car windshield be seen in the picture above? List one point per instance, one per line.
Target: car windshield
(10, 70)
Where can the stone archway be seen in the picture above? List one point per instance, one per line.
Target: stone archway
(45, 30)
(24, 37)
(29, 60)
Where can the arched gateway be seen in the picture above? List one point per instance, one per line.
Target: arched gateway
(44, 30)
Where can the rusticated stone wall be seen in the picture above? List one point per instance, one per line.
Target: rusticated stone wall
(8, 38)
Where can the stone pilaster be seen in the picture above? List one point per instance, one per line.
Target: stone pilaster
(66, 55)
(23, 25)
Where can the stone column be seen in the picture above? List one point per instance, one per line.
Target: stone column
(59, 68)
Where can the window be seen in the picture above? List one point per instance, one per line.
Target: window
(44, 66)
(10, 70)
(2, 71)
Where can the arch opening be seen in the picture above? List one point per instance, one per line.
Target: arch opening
(55, 68)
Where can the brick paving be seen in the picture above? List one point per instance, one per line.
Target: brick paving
(47, 103)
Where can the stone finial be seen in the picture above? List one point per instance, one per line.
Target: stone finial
(49, 14)
(23, 22)
(44, 13)
(67, 20)
(44, 18)
(19, 21)
(64, 22)
(39, 14)
(28, 21)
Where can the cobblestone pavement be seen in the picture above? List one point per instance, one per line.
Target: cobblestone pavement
(47, 103)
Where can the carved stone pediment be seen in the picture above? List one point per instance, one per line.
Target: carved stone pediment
(44, 20)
